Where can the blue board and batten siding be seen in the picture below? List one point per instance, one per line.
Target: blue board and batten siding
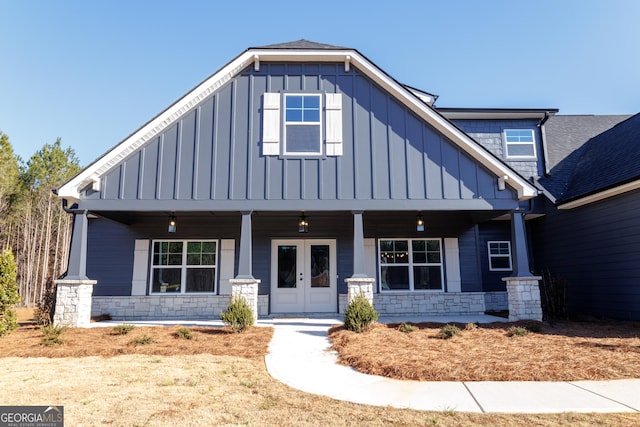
(596, 248)
(213, 154)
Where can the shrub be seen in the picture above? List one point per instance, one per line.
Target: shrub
(143, 340)
(8, 293)
(448, 331)
(359, 314)
(470, 326)
(184, 333)
(553, 296)
(238, 314)
(518, 331)
(43, 313)
(52, 335)
(533, 326)
(407, 327)
(123, 329)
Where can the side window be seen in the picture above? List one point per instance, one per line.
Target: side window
(519, 144)
(499, 255)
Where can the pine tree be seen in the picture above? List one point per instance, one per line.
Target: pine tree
(8, 293)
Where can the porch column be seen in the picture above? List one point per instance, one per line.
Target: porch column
(74, 291)
(359, 267)
(359, 282)
(244, 259)
(523, 288)
(244, 285)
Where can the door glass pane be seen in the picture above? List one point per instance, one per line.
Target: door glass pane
(287, 266)
(320, 266)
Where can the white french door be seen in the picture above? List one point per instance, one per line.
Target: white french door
(303, 276)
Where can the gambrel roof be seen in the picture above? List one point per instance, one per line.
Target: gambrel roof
(301, 51)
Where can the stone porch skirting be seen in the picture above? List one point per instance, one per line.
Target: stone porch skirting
(155, 307)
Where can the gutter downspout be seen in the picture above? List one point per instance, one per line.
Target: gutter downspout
(543, 135)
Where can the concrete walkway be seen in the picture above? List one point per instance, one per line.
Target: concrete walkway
(299, 356)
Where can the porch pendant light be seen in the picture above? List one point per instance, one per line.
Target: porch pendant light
(419, 222)
(303, 224)
(172, 224)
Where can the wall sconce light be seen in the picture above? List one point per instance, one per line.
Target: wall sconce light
(172, 224)
(303, 224)
(419, 222)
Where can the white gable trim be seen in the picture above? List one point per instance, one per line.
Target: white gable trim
(631, 186)
(71, 190)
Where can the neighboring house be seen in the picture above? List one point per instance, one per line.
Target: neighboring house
(590, 235)
(305, 172)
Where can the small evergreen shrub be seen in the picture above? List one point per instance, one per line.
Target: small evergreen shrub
(238, 314)
(46, 306)
(359, 314)
(184, 333)
(407, 327)
(52, 335)
(470, 326)
(448, 331)
(533, 326)
(8, 293)
(518, 331)
(123, 329)
(144, 340)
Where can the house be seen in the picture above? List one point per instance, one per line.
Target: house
(298, 175)
(590, 233)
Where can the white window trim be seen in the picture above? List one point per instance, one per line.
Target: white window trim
(508, 256)
(285, 151)
(184, 266)
(410, 265)
(532, 144)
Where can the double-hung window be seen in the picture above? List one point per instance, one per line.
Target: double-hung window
(410, 264)
(302, 124)
(184, 266)
(499, 255)
(519, 144)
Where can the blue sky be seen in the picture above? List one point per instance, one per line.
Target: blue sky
(92, 72)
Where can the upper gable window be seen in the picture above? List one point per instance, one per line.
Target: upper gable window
(294, 124)
(302, 124)
(519, 144)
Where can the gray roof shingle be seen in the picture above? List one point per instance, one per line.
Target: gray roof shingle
(608, 160)
(301, 44)
(565, 136)
(601, 161)
(567, 133)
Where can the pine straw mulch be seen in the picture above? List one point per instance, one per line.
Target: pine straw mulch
(566, 351)
(26, 341)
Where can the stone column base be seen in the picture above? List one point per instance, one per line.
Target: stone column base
(524, 298)
(73, 302)
(247, 289)
(360, 285)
